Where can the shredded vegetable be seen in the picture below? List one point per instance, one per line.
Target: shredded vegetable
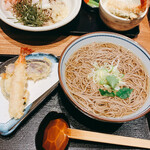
(29, 14)
(107, 75)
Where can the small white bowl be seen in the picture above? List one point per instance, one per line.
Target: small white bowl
(73, 6)
(118, 23)
(98, 37)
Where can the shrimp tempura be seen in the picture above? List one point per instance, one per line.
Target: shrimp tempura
(18, 90)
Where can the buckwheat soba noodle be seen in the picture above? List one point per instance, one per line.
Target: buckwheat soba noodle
(107, 80)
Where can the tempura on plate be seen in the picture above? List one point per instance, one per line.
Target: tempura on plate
(14, 80)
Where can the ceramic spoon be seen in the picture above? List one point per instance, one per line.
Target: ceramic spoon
(57, 134)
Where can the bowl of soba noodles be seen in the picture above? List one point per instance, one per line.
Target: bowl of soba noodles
(106, 76)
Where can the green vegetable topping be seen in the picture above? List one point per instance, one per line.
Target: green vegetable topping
(112, 81)
(29, 14)
(106, 93)
(94, 3)
(124, 93)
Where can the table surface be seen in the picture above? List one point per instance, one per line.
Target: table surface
(26, 137)
(12, 39)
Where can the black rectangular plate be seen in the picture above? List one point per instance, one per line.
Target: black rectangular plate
(88, 20)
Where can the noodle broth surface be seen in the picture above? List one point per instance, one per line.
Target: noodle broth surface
(86, 92)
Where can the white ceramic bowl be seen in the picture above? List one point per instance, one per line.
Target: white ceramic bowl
(73, 5)
(111, 38)
(118, 23)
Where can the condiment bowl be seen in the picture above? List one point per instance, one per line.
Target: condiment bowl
(118, 23)
(99, 37)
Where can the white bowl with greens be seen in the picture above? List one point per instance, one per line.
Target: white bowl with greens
(36, 15)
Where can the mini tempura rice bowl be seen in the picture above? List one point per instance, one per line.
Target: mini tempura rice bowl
(116, 22)
(89, 105)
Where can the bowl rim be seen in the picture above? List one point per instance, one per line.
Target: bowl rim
(76, 105)
(59, 24)
(101, 5)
